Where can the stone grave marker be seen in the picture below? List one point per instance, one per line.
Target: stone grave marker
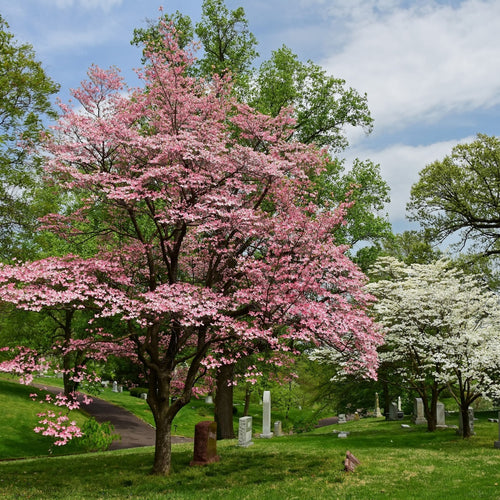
(378, 413)
(342, 418)
(209, 400)
(440, 415)
(471, 422)
(115, 386)
(277, 428)
(205, 443)
(393, 412)
(245, 432)
(418, 412)
(350, 462)
(266, 416)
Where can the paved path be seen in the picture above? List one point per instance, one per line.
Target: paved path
(134, 432)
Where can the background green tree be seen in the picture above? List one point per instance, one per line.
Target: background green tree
(460, 196)
(25, 92)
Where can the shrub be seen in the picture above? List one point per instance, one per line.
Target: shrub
(96, 436)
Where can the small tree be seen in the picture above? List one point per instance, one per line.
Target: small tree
(206, 230)
(442, 331)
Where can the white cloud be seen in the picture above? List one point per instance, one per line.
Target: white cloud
(104, 5)
(400, 166)
(419, 63)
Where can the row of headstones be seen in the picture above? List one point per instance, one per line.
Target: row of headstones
(205, 434)
(419, 416)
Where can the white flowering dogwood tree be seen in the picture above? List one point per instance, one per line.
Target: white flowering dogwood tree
(442, 331)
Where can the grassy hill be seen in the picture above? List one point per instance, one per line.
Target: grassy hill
(396, 463)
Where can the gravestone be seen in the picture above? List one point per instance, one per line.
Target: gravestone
(277, 428)
(471, 422)
(350, 462)
(205, 443)
(342, 419)
(440, 415)
(497, 443)
(209, 400)
(120, 388)
(266, 416)
(399, 403)
(393, 412)
(144, 395)
(418, 412)
(245, 432)
(115, 386)
(378, 413)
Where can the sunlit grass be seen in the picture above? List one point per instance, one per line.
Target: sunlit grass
(396, 463)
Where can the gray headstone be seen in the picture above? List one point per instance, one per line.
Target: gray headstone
(393, 411)
(277, 428)
(115, 386)
(209, 400)
(342, 419)
(266, 415)
(418, 412)
(471, 422)
(245, 432)
(440, 415)
(144, 395)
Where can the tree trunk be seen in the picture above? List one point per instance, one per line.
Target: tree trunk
(163, 448)
(248, 393)
(464, 411)
(224, 402)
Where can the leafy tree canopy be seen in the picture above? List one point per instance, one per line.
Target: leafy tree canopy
(25, 91)
(460, 196)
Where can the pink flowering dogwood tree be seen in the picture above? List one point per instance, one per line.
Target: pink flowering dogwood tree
(209, 236)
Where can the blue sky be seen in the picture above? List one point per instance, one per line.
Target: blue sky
(430, 68)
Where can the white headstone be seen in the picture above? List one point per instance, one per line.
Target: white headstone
(209, 400)
(399, 403)
(418, 412)
(115, 386)
(266, 415)
(378, 413)
(342, 418)
(245, 432)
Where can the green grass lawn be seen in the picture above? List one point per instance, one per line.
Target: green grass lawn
(18, 417)
(396, 463)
